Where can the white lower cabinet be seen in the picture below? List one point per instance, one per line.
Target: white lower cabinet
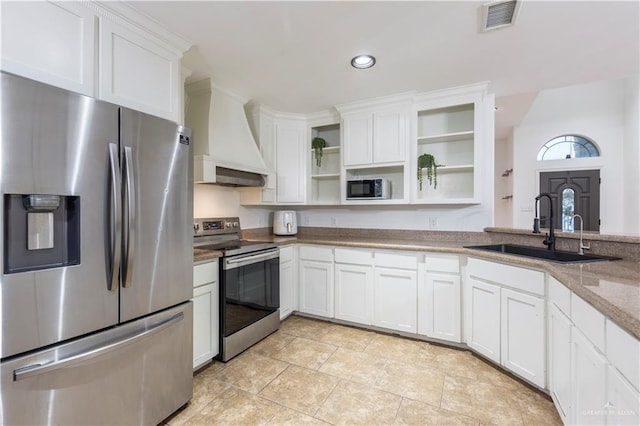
(560, 361)
(395, 299)
(482, 321)
(588, 381)
(522, 339)
(439, 297)
(288, 281)
(354, 293)
(623, 401)
(206, 313)
(316, 280)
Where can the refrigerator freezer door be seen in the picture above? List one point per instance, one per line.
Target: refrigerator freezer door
(56, 143)
(158, 215)
(137, 373)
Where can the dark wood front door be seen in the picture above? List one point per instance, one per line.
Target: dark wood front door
(572, 192)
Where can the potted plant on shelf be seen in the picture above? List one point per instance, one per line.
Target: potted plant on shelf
(428, 161)
(317, 144)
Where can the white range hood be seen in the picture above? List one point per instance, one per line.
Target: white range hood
(225, 150)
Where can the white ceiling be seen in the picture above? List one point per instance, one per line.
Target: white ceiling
(294, 56)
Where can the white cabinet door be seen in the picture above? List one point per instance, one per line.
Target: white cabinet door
(287, 284)
(560, 362)
(522, 342)
(623, 401)
(357, 139)
(316, 288)
(439, 305)
(588, 381)
(389, 136)
(482, 319)
(290, 161)
(205, 324)
(50, 42)
(138, 73)
(395, 299)
(354, 293)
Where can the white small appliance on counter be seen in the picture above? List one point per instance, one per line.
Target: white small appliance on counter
(285, 222)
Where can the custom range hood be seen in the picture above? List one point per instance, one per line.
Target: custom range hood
(224, 148)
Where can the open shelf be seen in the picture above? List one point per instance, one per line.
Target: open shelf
(326, 176)
(446, 137)
(455, 169)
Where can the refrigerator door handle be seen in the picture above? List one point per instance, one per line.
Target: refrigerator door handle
(115, 236)
(131, 216)
(36, 369)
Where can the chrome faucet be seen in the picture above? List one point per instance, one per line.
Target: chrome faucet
(550, 238)
(582, 246)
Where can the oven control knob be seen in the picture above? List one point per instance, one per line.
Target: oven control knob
(196, 227)
(235, 224)
(228, 225)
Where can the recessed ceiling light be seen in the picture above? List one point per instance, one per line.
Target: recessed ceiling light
(363, 61)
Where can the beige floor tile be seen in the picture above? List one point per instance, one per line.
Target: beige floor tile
(204, 391)
(288, 417)
(537, 409)
(358, 366)
(452, 361)
(487, 402)
(236, 407)
(347, 337)
(356, 404)
(489, 374)
(304, 327)
(300, 388)
(306, 353)
(393, 347)
(251, 371)
(272, 344)
(418, 383)
(418, 413)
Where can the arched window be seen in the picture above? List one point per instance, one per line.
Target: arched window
(568, 146)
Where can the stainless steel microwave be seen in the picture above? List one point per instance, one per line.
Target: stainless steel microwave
(368, 189)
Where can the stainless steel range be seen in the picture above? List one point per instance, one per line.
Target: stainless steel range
(249, 284)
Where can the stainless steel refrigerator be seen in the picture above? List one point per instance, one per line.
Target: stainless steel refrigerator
(96, 260)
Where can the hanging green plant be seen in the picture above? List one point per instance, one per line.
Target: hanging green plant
(427, 161)
(317, 144)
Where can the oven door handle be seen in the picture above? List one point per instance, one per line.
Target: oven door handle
(236, 262)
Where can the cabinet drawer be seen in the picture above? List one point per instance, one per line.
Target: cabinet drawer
(286, 254)
(323, 254)
(522, 279)
(407, 260)
(560, 296)
(442, 263)
(623, 351)
(205, 273)
(589, 321)
(352, 256)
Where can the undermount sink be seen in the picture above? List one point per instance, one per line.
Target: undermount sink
(541, 253)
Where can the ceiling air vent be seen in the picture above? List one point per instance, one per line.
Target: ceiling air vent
(499, 14)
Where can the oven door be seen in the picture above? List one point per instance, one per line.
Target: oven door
(250, 289)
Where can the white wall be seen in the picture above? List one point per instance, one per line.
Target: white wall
(631, 210)
(221, 201)
(595, 110)
(504, 184)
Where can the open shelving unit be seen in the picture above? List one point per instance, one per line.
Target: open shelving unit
(447, 134)
(393, 172)
(325, 180)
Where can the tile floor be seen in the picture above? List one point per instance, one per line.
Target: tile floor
(315, 372)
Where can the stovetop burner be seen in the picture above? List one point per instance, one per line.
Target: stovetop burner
(224, 234)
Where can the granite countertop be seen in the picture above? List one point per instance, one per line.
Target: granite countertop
(612, 287)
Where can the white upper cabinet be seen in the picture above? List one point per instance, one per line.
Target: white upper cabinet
(290, 161)
(375, 137)
(50, 42)
(69, 44)
(137, 72)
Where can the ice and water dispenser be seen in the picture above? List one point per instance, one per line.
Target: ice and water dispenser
(41, 231)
